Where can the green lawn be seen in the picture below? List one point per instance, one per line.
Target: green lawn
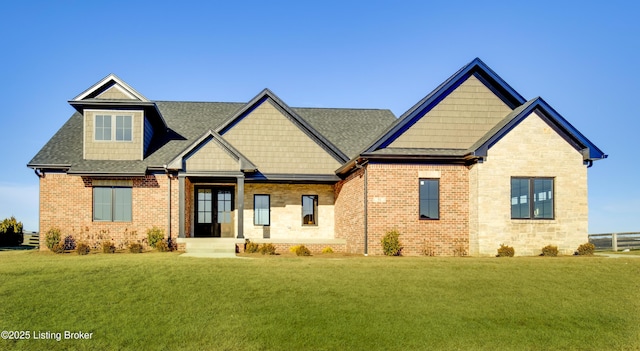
(158, 301)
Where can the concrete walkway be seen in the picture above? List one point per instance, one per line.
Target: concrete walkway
(612, 255)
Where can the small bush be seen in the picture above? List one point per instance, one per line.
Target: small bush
(391, 245)
(250, 247)
(52, 238)
(303, 251)
(294, 248)
(267, 249)
(135, 248)
(69, 243)
(58, 248)
(586, 249)
(11, 232)
(83, 249)
(162, 246)
(505, 251)
(550, 251)
(327, 250)
(108, 247)
(154, 236)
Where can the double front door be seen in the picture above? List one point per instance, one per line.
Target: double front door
(214, 212)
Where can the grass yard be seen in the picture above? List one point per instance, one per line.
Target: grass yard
(158, 301)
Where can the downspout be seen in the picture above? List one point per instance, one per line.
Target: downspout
(38, 172)
(169, 243)
(366, 232)
(366, 216)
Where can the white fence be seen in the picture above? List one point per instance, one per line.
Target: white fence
(615, 241)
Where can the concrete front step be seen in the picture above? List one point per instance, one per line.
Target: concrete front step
(205, 247)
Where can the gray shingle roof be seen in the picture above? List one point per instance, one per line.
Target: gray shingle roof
(348, 129)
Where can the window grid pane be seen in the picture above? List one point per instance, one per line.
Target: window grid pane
(532, 198)
(429, 199)
(261, 209)
(102, 204)
(520, 198)
(123, 128)
(309, 209)
(103, 127)
(543, 198)
(224, 206)
(122, 204)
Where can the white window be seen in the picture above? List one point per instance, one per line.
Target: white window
(105, 131)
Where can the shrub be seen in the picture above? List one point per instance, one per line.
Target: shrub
(294, 248)
(460, 247)
(154, 236)
(302, 250)
(250, 247)
(108, 247)
(135, 247)
(505, 251)
(586, 249)
(162, 246)
(550, 250)
(267, 249)
(69, 243)
(391, 245)
(11, 232)
(327, 250)
(52, 238)
(58, 248)
(83, 249)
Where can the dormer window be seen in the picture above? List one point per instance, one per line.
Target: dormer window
(104, 130)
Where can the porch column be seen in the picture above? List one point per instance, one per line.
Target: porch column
(240, 206)
(181, 199)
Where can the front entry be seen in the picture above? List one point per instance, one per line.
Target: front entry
(214, 212)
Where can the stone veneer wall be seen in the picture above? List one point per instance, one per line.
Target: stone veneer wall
(349, 211)
(66, 202)
(393, 197)
(286, 211)
(531, 149)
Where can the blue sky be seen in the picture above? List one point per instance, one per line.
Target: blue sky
(373, 54)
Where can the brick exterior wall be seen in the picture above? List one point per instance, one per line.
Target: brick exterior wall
(393, 197)
(349, 211)
(66, 202)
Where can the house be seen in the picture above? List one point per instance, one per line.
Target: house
(469, 167)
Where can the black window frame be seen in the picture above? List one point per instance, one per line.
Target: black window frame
(268, 210)
(532, 198)
(315, 210)
(422, 200)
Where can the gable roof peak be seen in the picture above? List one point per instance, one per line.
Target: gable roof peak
(110, 80)
(476, 68)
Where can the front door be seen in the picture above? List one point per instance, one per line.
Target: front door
(214, 212)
